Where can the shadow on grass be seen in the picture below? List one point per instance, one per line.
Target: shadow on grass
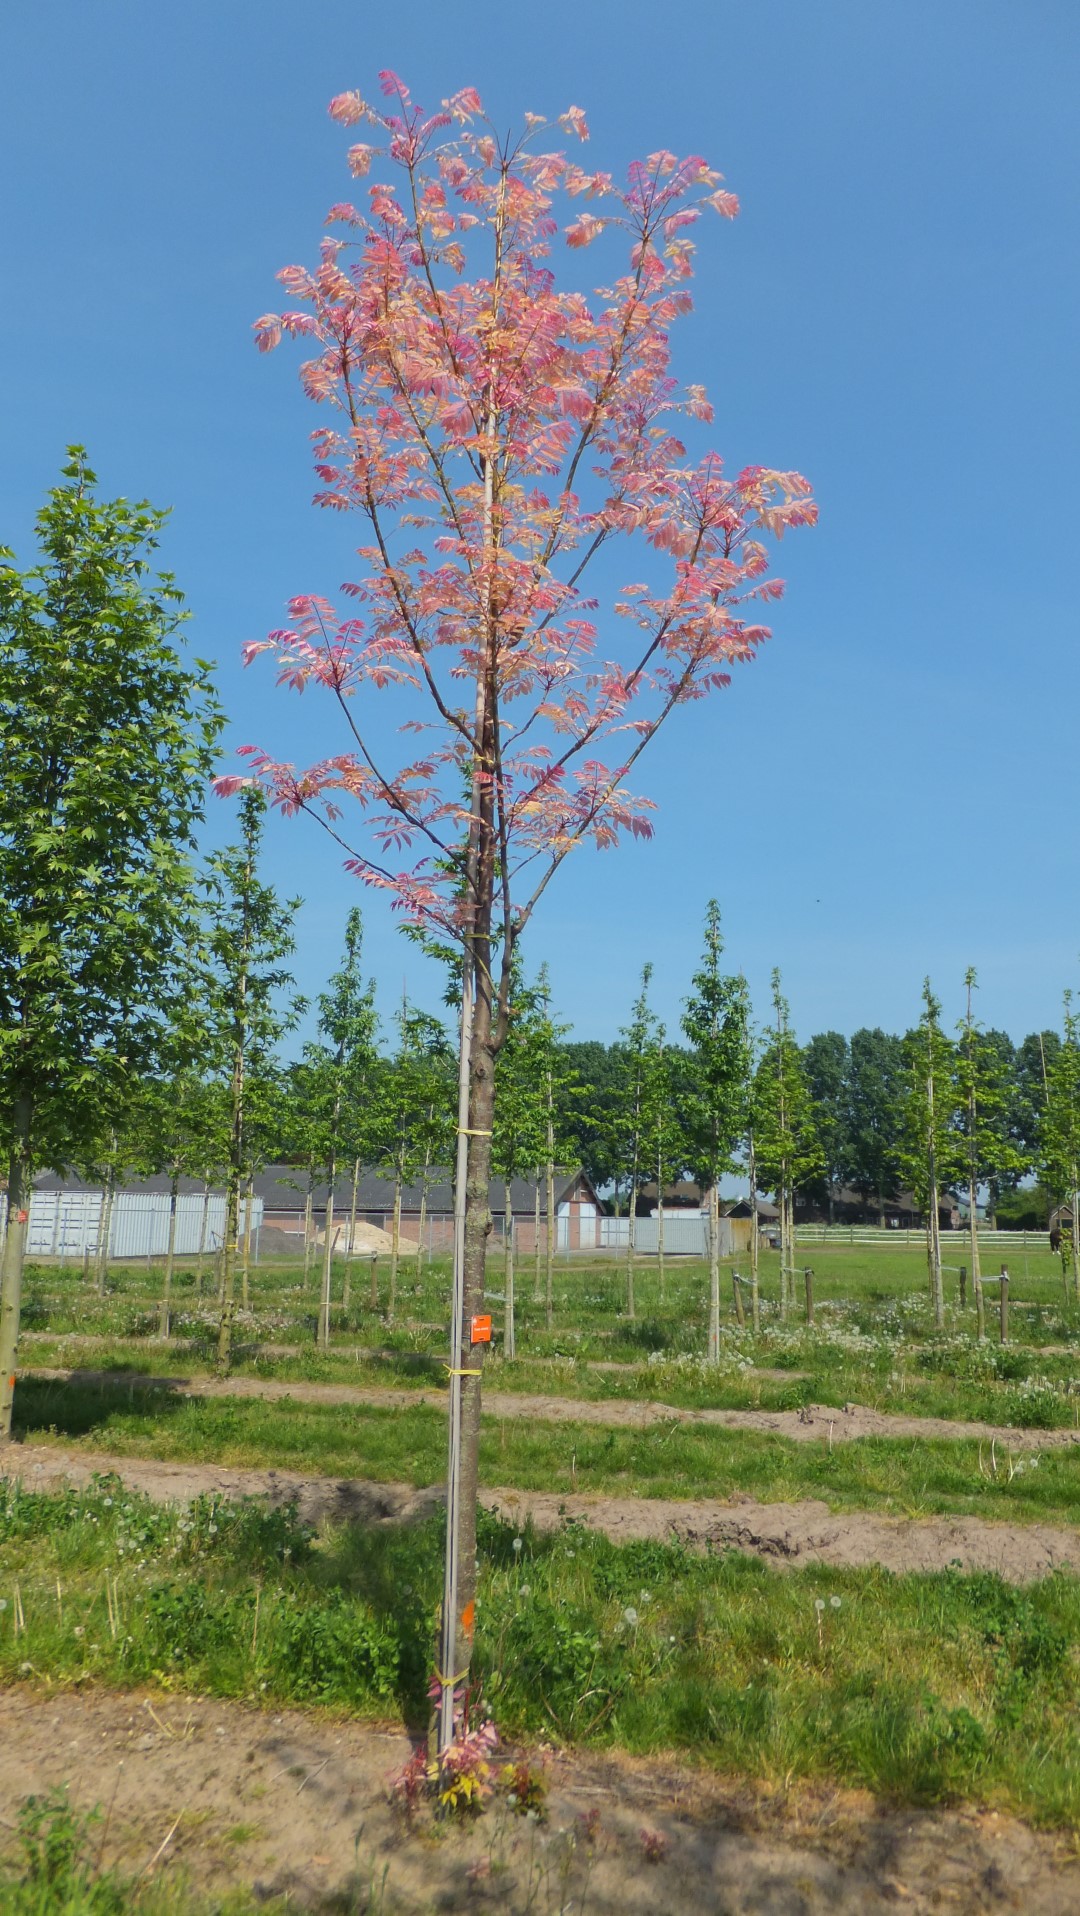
(83, 1403)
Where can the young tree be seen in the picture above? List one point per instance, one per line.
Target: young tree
(342, 1066)
(638, 1043)
(249, 935)
(986, 1087)
(414, 1093)
(786, 1147)
(590, 1114)
(522, 1077)
(717, 1023)
(107, 737)
(933, 1155)
(495, 433)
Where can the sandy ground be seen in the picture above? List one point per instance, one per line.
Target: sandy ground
(813, 1423)
(223, 1794)
(784, 1535)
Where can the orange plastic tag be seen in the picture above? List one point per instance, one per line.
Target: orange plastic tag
(481, 1330)
(468, 1619)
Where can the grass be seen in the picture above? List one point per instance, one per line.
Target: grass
(920, 1688)
(874, 1339)
(407, 1444)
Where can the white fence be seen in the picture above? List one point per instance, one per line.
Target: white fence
(881, 1234)
(66, 1224)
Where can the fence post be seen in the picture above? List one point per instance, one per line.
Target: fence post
(808, 1279)
(963, 1287)
(980, 1311)
(1004, 1304)
(374, 1280)
(740, 1309)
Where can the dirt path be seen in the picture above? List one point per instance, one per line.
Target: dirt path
(785, 1535)
(297, 1806)
(813, 1423)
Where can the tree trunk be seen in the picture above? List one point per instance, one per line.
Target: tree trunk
(714, 1273)
(164, 1313)
(549, 1194)
(395, 1243)
(345, 1299)
(105, 1224)
(245, 1268)
(204, 1231)
(309, 1231)
(329, 1240)
(751, 1159)
(973, 1230)
(538, 1295)
(232, 1204)
(1076, 1238)
(509, 1336)
(459, 1625)
(423, 1207)
(18, 1219)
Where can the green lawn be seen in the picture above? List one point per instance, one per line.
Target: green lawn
(921, 1688)
(408, 1444)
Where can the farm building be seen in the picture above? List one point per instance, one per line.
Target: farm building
(283, 1189)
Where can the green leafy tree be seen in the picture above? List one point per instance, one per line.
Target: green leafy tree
(716, 1021)
(339, 1070)
(521, 1117)
(826, 1062)
(986, 1095)
(786, 1146)
(877, 1089)
(638, 1049)
(413, 1107)
(107, 737)
(1059, 1130)
(590, 1114)
(249, 936)
(933, 1156)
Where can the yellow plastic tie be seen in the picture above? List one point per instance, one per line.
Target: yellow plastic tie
(464, 1132)
(450, 1682)
(451, 1372)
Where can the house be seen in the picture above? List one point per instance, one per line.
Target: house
(429, 1206)
(899, 1211)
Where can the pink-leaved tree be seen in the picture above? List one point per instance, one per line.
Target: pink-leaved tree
(494, 433)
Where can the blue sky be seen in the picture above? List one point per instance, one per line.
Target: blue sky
(890, 788)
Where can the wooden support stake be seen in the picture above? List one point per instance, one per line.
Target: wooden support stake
(963, 1287)
(755, 1302)
(808, 1279)
(1003, 1305)
(740, 1308)
(374, 1280)
(980, 1311)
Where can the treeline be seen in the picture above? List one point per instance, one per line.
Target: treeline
(858, 1087)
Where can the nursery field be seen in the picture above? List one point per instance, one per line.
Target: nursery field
(807, 1618)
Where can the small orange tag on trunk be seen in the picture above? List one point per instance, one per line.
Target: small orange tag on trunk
(481, 1330)
(468, 1618)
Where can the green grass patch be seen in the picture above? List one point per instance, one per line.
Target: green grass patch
(923, 1688)
(900, 1476)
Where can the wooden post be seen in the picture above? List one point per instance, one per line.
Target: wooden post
(374, 1280)
(808, 1279)
(740, 1308)
(963, 1287)
(755, 1303)
(1003, 1304)
(980, 1311)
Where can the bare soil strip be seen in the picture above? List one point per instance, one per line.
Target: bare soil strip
(785, 1535)
(813, 1423)
(295, 1805)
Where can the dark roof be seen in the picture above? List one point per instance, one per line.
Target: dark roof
(283, 1187)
